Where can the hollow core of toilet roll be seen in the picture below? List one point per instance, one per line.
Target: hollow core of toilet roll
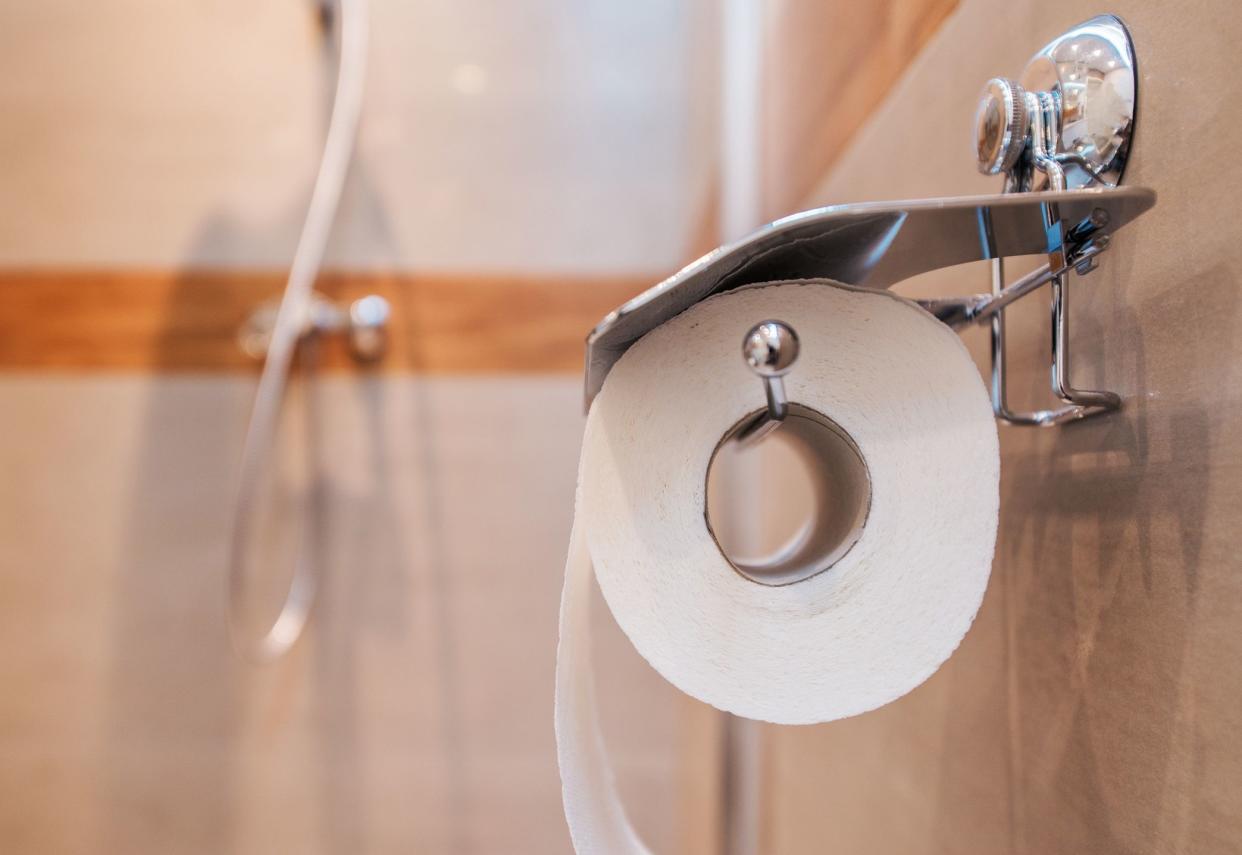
(792, 505)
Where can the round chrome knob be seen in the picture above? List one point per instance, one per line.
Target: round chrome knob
(368, 327)
(770, 348)
(1001, 124)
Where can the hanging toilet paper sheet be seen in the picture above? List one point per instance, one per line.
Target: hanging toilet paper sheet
(875, 624)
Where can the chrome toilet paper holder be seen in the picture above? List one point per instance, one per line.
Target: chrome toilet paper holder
(1061, 137)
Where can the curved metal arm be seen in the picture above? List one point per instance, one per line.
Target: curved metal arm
(1080, 403)
(286, 333)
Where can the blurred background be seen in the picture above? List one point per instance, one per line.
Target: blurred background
(521, 168)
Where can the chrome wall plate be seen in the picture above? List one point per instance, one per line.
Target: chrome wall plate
(1083, 87)
(1091, 72)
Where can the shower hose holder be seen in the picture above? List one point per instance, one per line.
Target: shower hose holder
(1060, 136)
(363, 324)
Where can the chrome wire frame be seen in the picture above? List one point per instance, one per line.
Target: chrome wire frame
(1079, 403)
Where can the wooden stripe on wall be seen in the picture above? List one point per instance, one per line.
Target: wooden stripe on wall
(188, 321)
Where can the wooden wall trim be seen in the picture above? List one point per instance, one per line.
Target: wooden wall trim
(126, 320)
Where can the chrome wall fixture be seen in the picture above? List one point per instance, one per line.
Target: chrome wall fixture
(1068, 120)
(1067, 124)
(364, 324)
(1060, 135)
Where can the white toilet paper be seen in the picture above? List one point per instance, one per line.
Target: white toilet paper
(866, 631)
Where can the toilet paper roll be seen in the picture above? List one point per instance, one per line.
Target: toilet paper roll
(875, 624)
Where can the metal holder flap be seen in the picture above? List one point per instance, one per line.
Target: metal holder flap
(876, 245)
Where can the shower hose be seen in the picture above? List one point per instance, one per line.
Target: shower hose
(286, 333)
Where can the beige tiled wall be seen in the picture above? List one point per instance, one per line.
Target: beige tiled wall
(540, 135)
(416, 714)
